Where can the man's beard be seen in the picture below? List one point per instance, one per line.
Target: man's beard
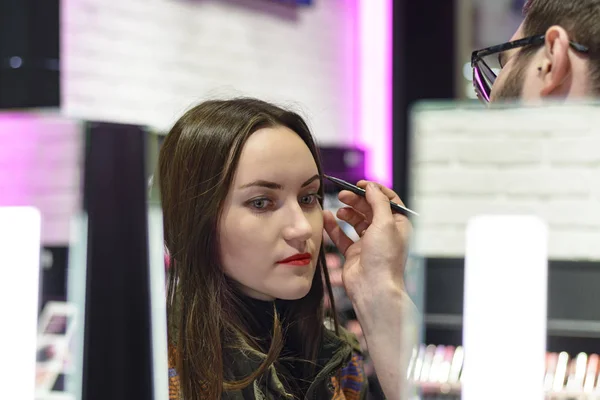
(513, 85)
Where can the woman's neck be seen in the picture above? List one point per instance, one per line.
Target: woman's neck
(260, 314)
(259, 317)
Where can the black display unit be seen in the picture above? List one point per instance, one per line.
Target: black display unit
(573, 312)
(53, 274)
(29, 53)
(117, 354)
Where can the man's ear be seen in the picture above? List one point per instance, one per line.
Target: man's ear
(556, 65)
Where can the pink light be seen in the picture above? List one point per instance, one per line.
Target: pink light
(351, 77)
(374, 72)
(18, 153)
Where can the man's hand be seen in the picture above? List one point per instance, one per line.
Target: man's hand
(373, 275)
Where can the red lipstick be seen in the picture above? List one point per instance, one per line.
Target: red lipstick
(297, 259)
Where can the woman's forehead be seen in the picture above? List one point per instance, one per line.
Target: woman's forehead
(276, 153)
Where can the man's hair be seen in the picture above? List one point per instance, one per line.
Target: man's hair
(581, 20)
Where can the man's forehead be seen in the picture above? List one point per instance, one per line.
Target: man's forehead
(518, 33)
(502, 57)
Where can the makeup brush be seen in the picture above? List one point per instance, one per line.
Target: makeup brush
(361, 192)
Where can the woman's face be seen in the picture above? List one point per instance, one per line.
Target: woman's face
(272, 213)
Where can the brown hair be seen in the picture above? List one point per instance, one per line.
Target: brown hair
(581, 20)
(197, 162)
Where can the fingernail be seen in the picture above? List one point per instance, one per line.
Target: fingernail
(372, 185)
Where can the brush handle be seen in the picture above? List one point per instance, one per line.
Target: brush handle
(361, 192)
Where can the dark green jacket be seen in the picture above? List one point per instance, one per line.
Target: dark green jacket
(344, 360)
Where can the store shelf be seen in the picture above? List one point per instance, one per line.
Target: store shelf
(443, 321)
(429, 388)
(437, 372)
(441, 388)
(570, 328)
(556, 327)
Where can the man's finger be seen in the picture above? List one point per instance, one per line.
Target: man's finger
(354, 218)
(391, 195)
(336, 233)
(357, 202)
(335, 278)
(380, 204)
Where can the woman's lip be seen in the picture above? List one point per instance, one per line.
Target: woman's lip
(296, 257)
(302, 262)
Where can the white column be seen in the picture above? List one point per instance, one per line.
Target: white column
(504, 328)
(19, 286)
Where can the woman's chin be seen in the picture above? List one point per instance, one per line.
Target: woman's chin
(294, 293)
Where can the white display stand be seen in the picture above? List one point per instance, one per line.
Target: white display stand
(505, 303)
(20, 231)
(158, 301)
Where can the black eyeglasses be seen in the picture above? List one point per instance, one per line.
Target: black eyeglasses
(484, 77)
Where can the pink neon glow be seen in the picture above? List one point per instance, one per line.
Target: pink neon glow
(17, 157)
(351, 72)
(374, 72)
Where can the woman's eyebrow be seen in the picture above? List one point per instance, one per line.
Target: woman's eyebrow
(275, 185)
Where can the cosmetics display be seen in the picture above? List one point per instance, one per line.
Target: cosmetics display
(438, 372)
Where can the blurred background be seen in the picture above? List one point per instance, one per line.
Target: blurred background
(89, 88)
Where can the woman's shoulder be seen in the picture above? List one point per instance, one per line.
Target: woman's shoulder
(343, 336)
(174, 383)
(352, 381)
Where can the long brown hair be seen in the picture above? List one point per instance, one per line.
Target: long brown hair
(197, 163)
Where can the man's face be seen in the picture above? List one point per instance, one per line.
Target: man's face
(552, 70)
(512, 82)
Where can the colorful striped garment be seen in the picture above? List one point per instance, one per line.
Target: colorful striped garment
(353, 381)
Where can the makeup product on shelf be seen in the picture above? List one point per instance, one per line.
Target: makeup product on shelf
(551, 362)
(580, 370)
(456, 366)
(427, 361)
(596, 377)
(571, 382)
(561, 372)
(411, 363)
(444, 371)
(591, 373)
(419, 363)
(436, 364)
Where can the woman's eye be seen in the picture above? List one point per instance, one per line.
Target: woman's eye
(309, 199)
(260, 204)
